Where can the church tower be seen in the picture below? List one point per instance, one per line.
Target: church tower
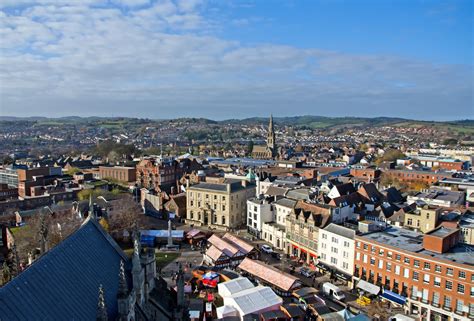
(271, 137)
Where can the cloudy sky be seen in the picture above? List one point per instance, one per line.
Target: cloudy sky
(224, 58)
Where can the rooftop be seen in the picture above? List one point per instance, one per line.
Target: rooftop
(340, 230)
(413, 242)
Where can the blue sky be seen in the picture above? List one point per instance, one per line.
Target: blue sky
(226, 59)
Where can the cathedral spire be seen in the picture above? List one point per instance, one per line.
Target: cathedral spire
(101, 308)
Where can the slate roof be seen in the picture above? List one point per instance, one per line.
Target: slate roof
(63, 284)
(340, 230)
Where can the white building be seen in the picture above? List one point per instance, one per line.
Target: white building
(259, 211)
(274, 231)
(336, 251)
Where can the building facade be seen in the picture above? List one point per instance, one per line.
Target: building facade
(336, 251)
(431, 275)
(259, 211)
(218, 205)
(118, 173)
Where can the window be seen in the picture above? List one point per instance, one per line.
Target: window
(358, 256)
(389, 266)
(406, 273)
(406, 260)
(416, 276)
(380, 264)
(438, 268)
(345, 254)
(334, 240)
(472, 290)
(397, 269)
(447, 302)
(345, 265)
(416, 263)
(324, 236)
(426, 278)
(215, 197)
(460, 288)
(449, 271)
(437, 281)
(323, 256)
(373, 249)
(223, 207)
(389, 254)
(426, 266)
(372, 261)
(333, 260)
(459, 305)
(334, 250)
(365, 258)
(435, 298)
(381, 252)
(346, 244)
(223, 220)
(462, 274)
(358, 244)
(366, 247)
(398, 257)
(449, 285)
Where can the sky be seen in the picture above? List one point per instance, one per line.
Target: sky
(223, 59)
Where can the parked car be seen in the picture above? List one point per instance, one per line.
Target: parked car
(266, 248)
(276, 255)
(304, 271)
(333, 291)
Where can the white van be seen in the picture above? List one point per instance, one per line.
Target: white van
(333, 291)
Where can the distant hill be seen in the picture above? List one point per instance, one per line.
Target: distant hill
(309, 121)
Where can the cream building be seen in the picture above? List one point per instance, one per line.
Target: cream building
(218, 205)
(423, 219)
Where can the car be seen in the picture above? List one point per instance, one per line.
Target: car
(276, 256)
(266, 248)
(304, 271)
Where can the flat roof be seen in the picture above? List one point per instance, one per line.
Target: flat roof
(412, 241)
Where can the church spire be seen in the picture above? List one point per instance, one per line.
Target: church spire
(271, 137)
(101, 308)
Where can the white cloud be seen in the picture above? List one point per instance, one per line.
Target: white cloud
(66, 55)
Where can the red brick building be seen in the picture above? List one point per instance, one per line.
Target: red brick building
(432, 275)
(118, 173)
(409, 176)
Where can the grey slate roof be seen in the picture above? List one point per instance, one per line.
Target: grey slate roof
(63, 284)
(286, 202)
(340, 230)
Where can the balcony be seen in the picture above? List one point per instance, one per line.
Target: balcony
(436, 305)
(449, 309)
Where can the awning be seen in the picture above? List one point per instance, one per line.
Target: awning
(323, 266)
(368, 287)
(342, 276)
(392, 296)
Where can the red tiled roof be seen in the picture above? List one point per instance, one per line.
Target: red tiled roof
(269, 274)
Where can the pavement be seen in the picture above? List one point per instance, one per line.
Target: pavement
(188, 258)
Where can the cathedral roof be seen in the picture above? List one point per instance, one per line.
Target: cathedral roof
(63, 283)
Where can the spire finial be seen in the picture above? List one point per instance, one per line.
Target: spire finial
(101, 309)
(123, 288)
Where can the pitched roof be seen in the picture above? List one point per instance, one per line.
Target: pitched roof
(214, 253)
(268, 273)
(63, 283)
(340, 230)
(243, 246)
(226, 247)
(345, 189)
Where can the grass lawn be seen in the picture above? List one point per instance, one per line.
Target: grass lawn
(162, 258)
(165, 258)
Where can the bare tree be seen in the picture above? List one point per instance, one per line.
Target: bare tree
(124, 215)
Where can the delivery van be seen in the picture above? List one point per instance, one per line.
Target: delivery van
(333, 291)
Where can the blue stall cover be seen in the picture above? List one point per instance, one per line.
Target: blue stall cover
(392, 296)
